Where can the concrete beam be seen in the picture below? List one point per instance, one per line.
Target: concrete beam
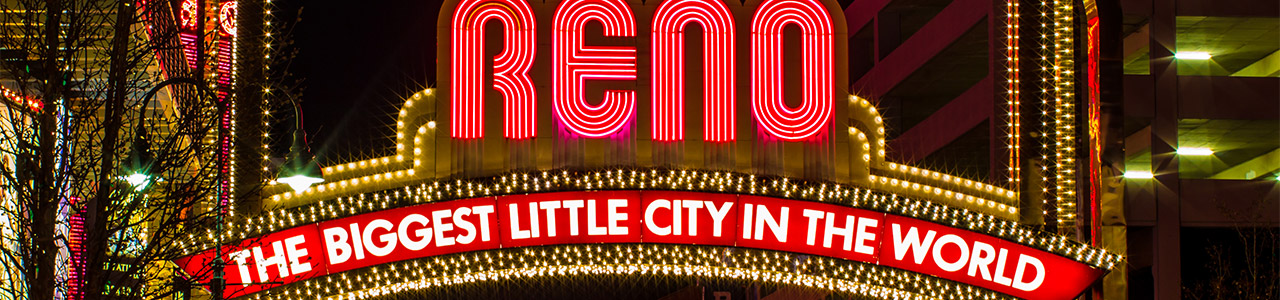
(1236, 98)
(1207, 97)
(945, 125)
(1238, 8)
(935, 36)
(1229, 203)
(1166, 245)
(862, 12)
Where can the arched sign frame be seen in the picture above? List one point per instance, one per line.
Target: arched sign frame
(565, 259)
(420, 172)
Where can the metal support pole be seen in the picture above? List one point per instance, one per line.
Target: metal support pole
(217, 285)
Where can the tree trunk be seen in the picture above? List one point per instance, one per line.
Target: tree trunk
(45, 250)
(98, 236)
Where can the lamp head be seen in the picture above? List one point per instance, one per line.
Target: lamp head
(137, 166)
(300, 170)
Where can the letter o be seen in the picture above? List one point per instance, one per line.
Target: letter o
(818, 69)
(943, 263)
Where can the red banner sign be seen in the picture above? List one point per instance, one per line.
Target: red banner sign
(646, 217)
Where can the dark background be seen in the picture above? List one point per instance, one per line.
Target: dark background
(355, 63)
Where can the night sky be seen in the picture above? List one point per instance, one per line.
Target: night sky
(356, 63)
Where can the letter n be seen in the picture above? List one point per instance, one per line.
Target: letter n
(718, 94)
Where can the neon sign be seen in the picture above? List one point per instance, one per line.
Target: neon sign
(599, 70)
(787, 123)
(227, 12)
(718, 66)
(670, 217)
(510, 68)
(576, 63)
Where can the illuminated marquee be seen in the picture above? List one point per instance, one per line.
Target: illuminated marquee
(766, 37)
(575, 63)
(718, 67)
(572, 97)
(510, 69)
(668, 217)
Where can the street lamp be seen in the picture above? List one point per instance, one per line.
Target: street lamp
(138, 163)
(300, 170)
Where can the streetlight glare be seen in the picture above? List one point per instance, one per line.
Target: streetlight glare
(1138, 175)
(1192, 55)
(1192, 151)
(300, 182)
(137, 180)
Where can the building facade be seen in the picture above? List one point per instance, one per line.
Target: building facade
(1197, 101)
(1185, 133)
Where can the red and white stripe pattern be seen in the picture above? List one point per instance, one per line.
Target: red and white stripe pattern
(510, 68)
(718, 96)
(818, 49)
(574, 63)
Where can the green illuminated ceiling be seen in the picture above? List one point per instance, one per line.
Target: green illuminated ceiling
(1242, 149)
(1239, 46)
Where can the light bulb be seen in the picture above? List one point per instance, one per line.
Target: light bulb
(1191, 151)
(1192, 55)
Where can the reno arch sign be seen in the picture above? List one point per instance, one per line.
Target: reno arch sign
(636, 216)
(753, 89)
(636, 54)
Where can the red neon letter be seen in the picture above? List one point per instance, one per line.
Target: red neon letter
(510, 68)
(818, 49)
(575, 63)
(718, 95)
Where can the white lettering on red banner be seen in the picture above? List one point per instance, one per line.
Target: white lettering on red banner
(668, 217)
